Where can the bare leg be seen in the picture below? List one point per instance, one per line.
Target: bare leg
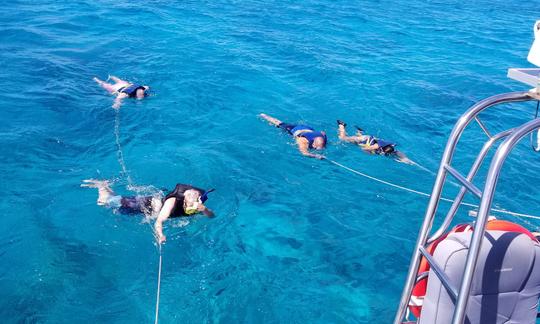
(117, 79)
(107, 86)
(270, 119)
(104, 190)
(119, 83)
(342, 134)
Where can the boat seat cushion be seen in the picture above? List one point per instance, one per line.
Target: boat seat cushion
(506, 282)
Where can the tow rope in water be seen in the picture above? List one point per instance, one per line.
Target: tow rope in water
(119, 153)
(158, 284)
(131, 186)
(425, 194)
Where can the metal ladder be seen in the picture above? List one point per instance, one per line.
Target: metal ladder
(510, 137)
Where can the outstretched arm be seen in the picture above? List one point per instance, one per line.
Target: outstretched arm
(270, 119)
(206, 211)
(303, 147)
(403, 158)
(164, 214)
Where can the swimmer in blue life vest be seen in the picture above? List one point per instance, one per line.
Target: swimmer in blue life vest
(372, 144)
(306, 137)
(123, 89)
(184, 200)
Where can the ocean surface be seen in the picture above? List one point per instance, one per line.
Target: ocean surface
(295, 240)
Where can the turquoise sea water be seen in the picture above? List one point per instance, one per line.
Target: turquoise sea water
(295, 240)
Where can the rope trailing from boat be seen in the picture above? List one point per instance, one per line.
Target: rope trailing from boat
(420, 193)
(119, 152)
(131, 186)
(158, 284)
(537, 147)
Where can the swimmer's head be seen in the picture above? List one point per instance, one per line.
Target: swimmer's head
(319, 142)
(141, 93)
(192, 201)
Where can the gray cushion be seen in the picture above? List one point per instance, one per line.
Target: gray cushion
(506, 283)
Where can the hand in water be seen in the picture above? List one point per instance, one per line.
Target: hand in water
(162, 239)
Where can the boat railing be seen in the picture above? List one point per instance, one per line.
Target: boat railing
(510, 137)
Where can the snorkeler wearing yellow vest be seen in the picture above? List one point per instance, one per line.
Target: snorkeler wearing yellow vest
(184, 200)
(372, 144)
(306, 137)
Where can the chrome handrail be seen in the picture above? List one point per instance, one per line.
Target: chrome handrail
(453, 139)
(485, 205)
(472, 173)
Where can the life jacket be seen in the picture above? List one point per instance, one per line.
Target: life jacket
(308, 133)
(385, 147)
(131, 90)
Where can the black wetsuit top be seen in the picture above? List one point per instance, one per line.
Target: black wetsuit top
(178, 193)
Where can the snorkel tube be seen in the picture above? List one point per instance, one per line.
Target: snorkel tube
(204, 196)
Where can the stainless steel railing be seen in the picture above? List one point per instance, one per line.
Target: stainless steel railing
(461, 294)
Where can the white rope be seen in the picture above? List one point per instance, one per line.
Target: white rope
(502, 211)
(158, 284)
(119, 153)
(131, 186)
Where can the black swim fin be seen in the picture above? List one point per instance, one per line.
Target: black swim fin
(358, 128)
(340, 122)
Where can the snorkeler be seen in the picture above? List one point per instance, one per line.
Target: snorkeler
(184, 200)
(371, 144)
(123, 89)
(306, 137)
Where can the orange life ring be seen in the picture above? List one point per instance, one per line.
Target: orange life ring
(419, 289)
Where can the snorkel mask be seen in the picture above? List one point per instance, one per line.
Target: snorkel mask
(192, 201)
(195, 201)
(194, 208)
